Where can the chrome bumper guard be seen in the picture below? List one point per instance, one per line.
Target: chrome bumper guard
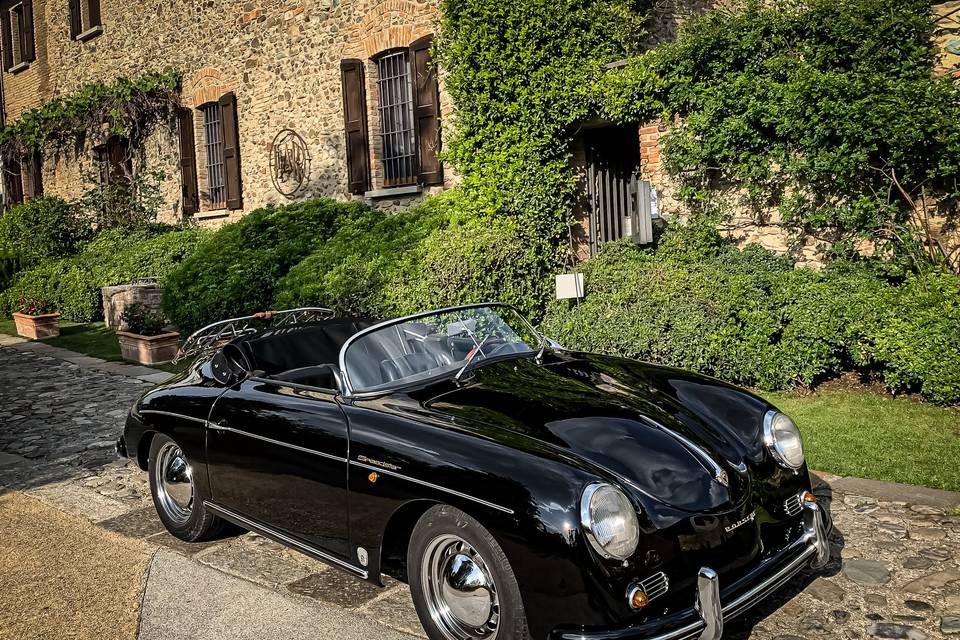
(812, 549)
(816, 553)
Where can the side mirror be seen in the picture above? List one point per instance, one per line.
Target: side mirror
(231, 366)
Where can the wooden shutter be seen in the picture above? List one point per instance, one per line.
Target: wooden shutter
(76, 24)
(29, 53)
(426, 112)
(93, 13)
(32, 176)
(231, 151)
(13, 184)
(7, 39)
(355, 125)
(188, 162)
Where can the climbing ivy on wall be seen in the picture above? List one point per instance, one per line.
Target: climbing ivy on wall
(521, 75)
(827, 109)
(130, 107)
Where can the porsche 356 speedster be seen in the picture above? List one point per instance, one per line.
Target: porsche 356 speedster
(521, 489)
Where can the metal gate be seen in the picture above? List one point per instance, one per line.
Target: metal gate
(619, 201)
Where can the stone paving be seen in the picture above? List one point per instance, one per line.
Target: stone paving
(894, 572)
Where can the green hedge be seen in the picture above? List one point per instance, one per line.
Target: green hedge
(235, 271)
(751, 317)
(113, 257)
(42, 228)
(437, 254)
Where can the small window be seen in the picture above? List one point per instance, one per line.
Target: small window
(114, 161)
(19, 33)
(213, 143)
(396, 119)
(84, 19)
(16, 20)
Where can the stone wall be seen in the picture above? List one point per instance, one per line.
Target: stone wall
(117, 299)
(280, 57)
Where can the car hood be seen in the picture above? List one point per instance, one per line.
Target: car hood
(682, 439)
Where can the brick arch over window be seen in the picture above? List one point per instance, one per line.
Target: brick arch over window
(206, 85)
(390, 24)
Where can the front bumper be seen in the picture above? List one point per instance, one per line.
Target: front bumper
(705, 619)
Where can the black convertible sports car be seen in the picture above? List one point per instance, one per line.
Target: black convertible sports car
(522, 490)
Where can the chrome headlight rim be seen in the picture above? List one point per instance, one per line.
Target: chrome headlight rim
(770, 440)
(587, 520)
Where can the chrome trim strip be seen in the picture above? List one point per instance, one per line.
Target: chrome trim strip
(172, 414)
(283, 538)
(698, 451)
(218, 427)
(348, 389)
(432, 486)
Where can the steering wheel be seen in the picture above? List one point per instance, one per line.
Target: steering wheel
(489, 340)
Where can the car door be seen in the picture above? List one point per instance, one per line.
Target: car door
(277, 453)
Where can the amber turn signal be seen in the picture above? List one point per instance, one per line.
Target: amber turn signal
(808, 497)
(373, 476)
(638, 599)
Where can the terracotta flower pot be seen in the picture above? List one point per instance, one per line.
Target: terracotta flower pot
(46, 325)
(148, 350)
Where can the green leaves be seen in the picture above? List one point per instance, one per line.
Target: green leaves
(807, 105)
(130, 107)
(750, 317)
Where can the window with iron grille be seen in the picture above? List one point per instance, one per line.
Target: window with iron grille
(213, 143)
(396, 119)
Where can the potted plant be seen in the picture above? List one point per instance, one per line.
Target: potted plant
(143, 337)
(37, 319)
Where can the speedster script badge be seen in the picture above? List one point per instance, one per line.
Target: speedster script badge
(740, 523)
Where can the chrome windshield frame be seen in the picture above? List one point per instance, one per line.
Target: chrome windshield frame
(347, 388)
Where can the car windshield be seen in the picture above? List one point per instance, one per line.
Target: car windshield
(438, 343)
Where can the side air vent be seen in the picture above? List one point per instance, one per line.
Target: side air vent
(655, 585)
(793, 505)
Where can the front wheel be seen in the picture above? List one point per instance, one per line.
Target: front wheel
(461, 582)
(174, 493)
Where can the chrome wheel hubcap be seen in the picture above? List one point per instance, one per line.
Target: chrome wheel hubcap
(174, 481)
(460, 591)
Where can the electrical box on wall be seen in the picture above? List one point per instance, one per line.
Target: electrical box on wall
(569, 285)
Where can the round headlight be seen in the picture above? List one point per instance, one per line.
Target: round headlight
(609, 521)
(783, 439)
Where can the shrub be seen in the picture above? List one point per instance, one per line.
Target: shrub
(915, 339)
(42, 228)
(437, 254)
(143, 320)
(113, 257)
(235, 271)
(750, 317)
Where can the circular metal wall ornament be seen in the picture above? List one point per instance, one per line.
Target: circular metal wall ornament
(289, 163)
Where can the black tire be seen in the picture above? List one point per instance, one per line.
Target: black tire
(199, 524)
(443, 522)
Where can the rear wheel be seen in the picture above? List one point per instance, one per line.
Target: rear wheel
(461, 582)
(174, 493)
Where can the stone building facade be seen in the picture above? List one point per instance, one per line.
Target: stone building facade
(281, 61)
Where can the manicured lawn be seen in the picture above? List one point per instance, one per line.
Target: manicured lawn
(91, 339)
(872, 435)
